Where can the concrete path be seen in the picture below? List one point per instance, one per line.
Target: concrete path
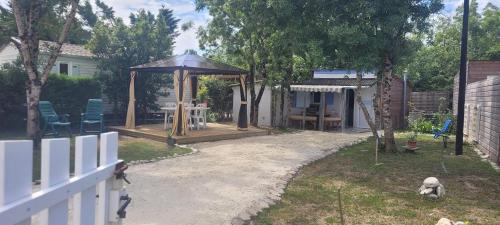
(227, 181)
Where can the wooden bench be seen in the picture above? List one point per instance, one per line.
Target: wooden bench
(332, 121)
(310, 119)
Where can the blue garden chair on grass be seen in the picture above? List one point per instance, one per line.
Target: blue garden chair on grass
(443, 132)
(52, 120)
(93, 115)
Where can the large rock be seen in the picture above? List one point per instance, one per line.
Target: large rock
(444, 221)
(431, 182)
(431, 188)
(440, 191)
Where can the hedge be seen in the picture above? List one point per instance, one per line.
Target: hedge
(69, 95)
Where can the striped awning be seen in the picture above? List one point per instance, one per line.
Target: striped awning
(318, 88)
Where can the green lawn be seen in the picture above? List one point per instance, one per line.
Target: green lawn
(387, 194)
(141, 149)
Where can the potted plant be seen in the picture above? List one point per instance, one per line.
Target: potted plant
(170, 140)
(415, 121)
(412, 140)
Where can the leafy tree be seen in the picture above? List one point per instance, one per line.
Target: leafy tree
(106, 12)
(392, 23)
(219, 95)
(434, 66)
(12, 95)
(53, 17)
(87, 14)
(28, 16)
(118, 46)
(238, 31)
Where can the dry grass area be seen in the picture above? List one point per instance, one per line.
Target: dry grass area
(387, 193)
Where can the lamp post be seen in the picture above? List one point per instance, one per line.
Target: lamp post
(462, 82)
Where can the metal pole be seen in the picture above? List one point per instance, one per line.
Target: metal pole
(462, 82)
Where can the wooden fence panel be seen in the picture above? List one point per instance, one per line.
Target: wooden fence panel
(482, 115)
(429, 101)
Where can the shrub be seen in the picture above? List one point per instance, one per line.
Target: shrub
(67, 94)
(441, 117)
(418, 123)
(12, 97)
(220, 98)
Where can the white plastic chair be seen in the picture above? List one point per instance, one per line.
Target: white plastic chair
(169, 116)
(200, 116)
(189, 107)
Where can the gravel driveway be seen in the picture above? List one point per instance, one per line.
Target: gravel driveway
(226, 181)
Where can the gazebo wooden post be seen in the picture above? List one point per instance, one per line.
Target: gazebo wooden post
(130, 120)
(243, 113)
(180, 106)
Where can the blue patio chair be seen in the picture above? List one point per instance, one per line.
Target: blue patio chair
(52, 120)
(443, 132)
(93, 115)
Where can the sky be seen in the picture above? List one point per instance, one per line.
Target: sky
(185, 10)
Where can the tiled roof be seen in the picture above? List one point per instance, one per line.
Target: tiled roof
(340, 82)
(66, 49)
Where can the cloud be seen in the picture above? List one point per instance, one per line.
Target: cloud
(450, 6)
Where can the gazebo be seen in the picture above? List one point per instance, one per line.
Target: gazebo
(186, 69)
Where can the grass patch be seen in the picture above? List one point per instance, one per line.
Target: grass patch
(141, 149)
(387, 194)
(129, 149)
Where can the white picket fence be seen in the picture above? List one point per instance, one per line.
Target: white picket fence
(95, 191)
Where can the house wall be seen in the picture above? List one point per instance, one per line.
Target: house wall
(77, 66)
(367, 95)
(8, 54)
(482, 116)
(264, 105)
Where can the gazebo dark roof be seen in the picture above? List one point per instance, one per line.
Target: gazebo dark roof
(196, 65)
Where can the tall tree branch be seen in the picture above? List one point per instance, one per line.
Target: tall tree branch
(62, 36)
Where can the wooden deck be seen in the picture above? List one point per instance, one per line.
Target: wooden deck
(214, 132)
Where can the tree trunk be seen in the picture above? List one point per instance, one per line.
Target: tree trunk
(252, 92)
(376, 106)
(27, 15)
(282, 106)
(33, 98)
(362, 105)
(389, 142)
(286, 90)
